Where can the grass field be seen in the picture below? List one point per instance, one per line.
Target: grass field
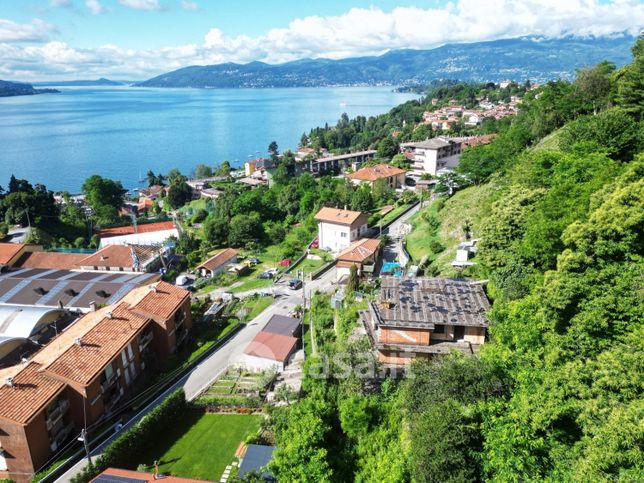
(254, 305)
(201, 445)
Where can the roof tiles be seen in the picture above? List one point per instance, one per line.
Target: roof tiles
(29, 393)
(82, 363)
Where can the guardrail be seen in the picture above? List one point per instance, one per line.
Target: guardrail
(322, 270)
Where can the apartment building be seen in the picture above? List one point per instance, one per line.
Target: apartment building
(85, 373)
(433, 155)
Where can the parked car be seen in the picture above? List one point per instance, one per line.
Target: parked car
(265, 275)
(285, 263)
(273, 271)
(295, 284)
(183, 280)
(254, 261)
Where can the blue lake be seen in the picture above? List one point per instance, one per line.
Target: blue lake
(61, 139)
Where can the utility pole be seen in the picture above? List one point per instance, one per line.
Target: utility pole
(83, 438)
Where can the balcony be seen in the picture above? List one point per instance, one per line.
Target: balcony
(144, 341)
(113, 400)
(105, 385)
(61, 437)
(54, 416)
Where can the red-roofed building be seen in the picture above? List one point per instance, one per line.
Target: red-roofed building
(362, 253)
(338, 228)
(269, 350)
(10, 253)
(116, 474)
(85, 373)
(392, 176)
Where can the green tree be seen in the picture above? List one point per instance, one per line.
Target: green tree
(362, 200)
(224, 169)
(387, 148)
(630, 82)
(245, 230)
(216, 230)
(179, 194)
(105, 196)
(203, 171)
(353, 284)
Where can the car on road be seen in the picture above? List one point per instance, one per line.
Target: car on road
(295, 284)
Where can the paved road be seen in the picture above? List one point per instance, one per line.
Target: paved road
(206, 372)
(209, 369)
(397, 230)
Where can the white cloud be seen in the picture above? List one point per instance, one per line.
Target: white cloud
(35, 31)
(188, 5)
(94, 7)
(141, 4)
(356, 32)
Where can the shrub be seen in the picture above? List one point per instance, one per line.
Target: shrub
(435, 246)
(124, 451)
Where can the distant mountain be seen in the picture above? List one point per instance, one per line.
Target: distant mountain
(8, 89)
(518, 59)
(71, 83)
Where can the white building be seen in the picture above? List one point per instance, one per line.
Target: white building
(338, 228)
(434, 154)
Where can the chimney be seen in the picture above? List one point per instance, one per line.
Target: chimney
(78, 341)
(109, 315)
(153, 288)
(9, 381)
(103, 258)
(92, 306)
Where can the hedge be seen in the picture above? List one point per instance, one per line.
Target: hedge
(124, 451)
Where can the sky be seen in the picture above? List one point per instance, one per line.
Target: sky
(138, 39)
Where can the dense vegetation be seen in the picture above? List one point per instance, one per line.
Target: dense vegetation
(526, 58)
(556, 394)
(9, 89)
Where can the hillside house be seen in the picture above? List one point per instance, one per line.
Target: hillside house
(362, 253)
(392, 176)
(424, 317)
(218, 263)
(337, 229)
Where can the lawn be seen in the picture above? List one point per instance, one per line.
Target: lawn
(254, 305)
(202, 445)
(308, 265)
(418, 241)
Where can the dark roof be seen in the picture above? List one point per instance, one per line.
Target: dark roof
(280, 324)
(424, 302)
(257, 457)
(39, 286)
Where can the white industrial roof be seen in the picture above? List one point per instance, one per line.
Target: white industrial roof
(19, 322)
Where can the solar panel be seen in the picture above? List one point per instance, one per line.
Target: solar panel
(117, 479)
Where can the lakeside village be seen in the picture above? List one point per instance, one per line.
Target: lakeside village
(245, 259)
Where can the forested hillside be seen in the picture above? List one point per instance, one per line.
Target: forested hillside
(556, 394)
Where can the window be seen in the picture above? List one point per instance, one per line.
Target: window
(439, 329)
(343, 235)
(109, 372)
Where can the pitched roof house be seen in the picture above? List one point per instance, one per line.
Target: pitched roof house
(338, 228)
(218, 263)
(394, 177)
